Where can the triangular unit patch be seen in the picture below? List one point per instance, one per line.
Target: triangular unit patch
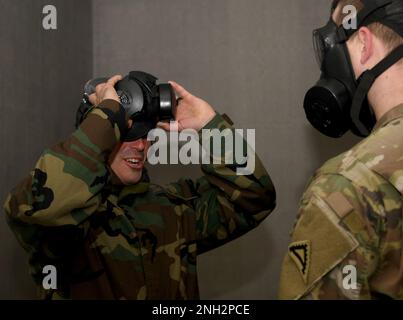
(300, 253)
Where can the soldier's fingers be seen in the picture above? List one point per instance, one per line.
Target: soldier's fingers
(99, 88)
(93, 99)
(163, 125)
(172, 126)
(113, 80)
(181, 91)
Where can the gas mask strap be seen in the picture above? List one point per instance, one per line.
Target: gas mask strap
(365, 83)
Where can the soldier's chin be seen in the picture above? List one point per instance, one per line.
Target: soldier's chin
(132, 177)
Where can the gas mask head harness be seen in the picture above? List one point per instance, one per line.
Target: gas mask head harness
(338, 102)
(144, 101)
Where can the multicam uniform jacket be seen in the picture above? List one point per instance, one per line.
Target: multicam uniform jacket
(347, 241)
(134, 242)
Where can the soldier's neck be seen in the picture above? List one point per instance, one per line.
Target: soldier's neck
(387, 91)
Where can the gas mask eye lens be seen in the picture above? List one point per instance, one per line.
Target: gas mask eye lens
(323, 40)
(319, 47)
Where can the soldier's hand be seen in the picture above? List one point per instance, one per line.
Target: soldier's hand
(105, 91)
(191, 113)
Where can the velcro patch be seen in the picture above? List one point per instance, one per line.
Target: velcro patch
(338, 202)
(300, 253)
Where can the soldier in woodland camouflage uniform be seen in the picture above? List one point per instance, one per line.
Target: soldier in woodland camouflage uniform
(349, 225)
(108, 231)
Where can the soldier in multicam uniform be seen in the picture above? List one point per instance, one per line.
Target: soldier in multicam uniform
(347, 241)
(88, 209)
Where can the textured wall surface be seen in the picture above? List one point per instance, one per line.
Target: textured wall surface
(42, 74)
(253, 60)
(250, 59)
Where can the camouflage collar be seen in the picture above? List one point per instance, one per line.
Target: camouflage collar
(116, 187)
(393, 114)
(138, 188)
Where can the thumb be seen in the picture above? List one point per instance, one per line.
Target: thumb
(113, 80)
(169, 126)
(181, 91)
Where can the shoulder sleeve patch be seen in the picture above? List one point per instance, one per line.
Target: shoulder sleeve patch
(319, 244)
(300, 253)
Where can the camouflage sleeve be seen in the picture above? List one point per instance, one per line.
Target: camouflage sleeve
(227, 204)
(62, 190)
(334, 251)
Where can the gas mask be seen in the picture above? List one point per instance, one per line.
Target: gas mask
(144, 101)
(338, 102)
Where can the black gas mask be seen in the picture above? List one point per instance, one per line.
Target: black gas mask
(338, 102)
(144, 101)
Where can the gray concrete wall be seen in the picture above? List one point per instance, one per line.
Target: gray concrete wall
(41, 76)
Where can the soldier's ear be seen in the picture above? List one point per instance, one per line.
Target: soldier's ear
(366, 42)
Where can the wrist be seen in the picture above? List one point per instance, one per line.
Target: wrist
(218, 121)
(210, 115)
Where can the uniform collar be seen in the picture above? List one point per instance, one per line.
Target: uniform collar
(393, 114)
(138, 188)
(116, 187)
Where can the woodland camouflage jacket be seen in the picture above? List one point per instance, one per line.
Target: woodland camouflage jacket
(135, 242)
